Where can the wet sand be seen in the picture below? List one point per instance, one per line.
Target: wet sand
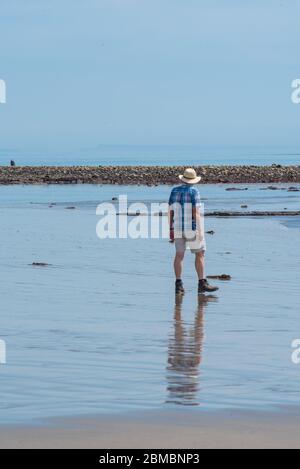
(163, 430)
(95, 333)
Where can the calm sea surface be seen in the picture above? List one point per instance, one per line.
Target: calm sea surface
(99, 329)
(155, 155)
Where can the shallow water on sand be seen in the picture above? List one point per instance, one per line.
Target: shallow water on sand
(99, 329)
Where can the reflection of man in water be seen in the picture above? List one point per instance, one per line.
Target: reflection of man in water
(184, 355)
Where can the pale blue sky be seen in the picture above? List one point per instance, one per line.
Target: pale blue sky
(80, 73)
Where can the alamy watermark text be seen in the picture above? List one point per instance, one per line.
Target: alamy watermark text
(2, 352)
(296, 91)
(296, 353)
(2, 92)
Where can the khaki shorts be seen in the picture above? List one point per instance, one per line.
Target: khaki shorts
(195, 245)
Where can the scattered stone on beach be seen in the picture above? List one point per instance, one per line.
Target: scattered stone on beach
(211, 232)
(40, 264)
(223, 277)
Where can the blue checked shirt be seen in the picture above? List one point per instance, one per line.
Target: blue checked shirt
(182, 200)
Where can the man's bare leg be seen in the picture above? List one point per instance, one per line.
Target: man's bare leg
(203, 285)
(199, 264)
(178, 264)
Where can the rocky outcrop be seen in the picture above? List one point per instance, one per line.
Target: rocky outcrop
(146, 175)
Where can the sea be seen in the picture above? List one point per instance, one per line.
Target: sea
(153, 155)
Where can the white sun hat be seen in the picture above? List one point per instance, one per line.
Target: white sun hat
(190, 176)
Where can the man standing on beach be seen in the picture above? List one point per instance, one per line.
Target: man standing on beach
(186, 229)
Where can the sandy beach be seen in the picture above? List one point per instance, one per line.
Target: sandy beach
(230, 429)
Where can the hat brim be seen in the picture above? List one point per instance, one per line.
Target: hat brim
(190, 181)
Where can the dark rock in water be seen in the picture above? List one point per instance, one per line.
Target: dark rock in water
(293, 189)
(40, 264)
(294, 213)
(135, 214)
(211, 232)
(219, 277)
(159, 214)
(237, 189)
(114, 199)
(12, 163)
(271, 188)
(70, 208)
(244, 206)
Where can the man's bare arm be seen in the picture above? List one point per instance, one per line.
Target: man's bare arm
(197, 216)
(171, 218)
(171, 223)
